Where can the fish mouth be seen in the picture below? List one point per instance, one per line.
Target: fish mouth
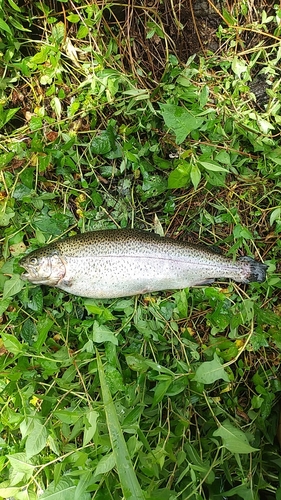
(33, 277)
(25, 276)
(31, 274)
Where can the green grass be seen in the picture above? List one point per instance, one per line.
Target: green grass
(174, 395)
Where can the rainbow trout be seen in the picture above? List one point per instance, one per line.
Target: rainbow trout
(123, 262)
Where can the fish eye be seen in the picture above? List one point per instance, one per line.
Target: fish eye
(33, 260)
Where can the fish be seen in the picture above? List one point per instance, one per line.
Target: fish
(107, 264)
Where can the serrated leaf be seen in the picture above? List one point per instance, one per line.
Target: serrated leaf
(36, 440)
(234, 439)
(210, 371)
(12, 286)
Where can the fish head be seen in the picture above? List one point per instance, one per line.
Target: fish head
(43, 268)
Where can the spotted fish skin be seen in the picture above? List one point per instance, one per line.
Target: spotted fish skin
(126, 262)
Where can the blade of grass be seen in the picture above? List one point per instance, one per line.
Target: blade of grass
(128, 479)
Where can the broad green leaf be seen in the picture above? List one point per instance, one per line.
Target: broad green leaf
(6, 214)
(238, 66)
(92, 307)
(54, 225)
(264, 125)
(128, 479)
(43, 327)
(19, 462)
(180, 120)
(114, 379)
(73, 18)
(5, 159)
(14, 5)
(160, 390)
(56, 105)
(68, 416)
(213, 167)
(6, 116)
(8, 491)
(234, 439)
(195, 175)
(101, 333)
(275, 156)
(4, 304)
(29, 331)
(91, 417)
(26, 494)
(102, 143)
(42, 56)
(36, 440)
(82, 31)
(137, 362)
(35, 302)
(180, 177)
(12, 344)
(14, 22)
(210, 371)
(275, 215)
(82, 488)
(63, 490)
(58, 32)
(228, 17)
(4, 26)
(244, 491)
(105, 464)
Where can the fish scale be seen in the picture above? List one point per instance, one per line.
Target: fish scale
(125, 262)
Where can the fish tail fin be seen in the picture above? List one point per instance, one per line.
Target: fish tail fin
(257, 270)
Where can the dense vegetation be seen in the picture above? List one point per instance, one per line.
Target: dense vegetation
(170, 396)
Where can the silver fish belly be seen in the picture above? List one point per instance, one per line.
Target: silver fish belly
(119, 263)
